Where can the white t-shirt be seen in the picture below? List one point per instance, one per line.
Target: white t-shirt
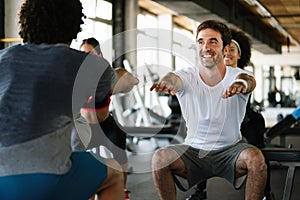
(212, 121)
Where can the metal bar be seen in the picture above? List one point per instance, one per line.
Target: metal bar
(10, 39)
(2, 21)
(289, 183)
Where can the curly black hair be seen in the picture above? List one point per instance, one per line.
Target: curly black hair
(50, 21)
(245, 45)
(217, 26)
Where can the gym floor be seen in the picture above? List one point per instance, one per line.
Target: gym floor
(141, 185)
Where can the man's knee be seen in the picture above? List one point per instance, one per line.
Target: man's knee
(159, 159)
(163, 158)
(255, 160)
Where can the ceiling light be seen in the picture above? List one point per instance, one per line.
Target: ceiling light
(262, 11)
(274, 22)
(250, 2)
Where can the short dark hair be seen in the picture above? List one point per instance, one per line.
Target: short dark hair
(245, 44)
(50, 21)
(217, 26)
(92, 41)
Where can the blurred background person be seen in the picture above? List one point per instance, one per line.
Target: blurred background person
(104, 128)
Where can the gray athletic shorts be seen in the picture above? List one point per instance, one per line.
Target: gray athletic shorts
(202, 165)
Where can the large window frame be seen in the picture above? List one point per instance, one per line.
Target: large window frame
(97, 24)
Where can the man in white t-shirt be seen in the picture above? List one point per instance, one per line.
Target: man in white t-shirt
(213, 100)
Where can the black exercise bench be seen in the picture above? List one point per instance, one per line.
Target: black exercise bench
(288, 157)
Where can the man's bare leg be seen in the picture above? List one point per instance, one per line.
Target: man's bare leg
(164, 162)
(113, 187)
(252, 162)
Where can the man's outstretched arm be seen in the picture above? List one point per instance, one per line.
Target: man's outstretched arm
(169, 84)
(243, 83)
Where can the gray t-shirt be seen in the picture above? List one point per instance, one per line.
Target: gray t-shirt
(42, 88)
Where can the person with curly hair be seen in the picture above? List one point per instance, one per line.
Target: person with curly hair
(238, 53)
(43, 84)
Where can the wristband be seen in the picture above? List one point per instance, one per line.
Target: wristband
(245, 83)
